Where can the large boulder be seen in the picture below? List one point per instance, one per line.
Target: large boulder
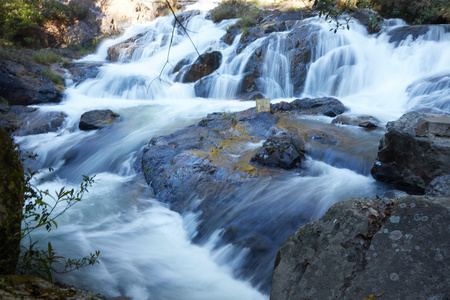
(364, 248)
(205, 64)
(11, 203)
(414, 150)
(97, 119)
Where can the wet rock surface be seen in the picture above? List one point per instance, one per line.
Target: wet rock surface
(364, 121)
(362, 247)
(97, 119)
(399, 34)
(282, 151)
(414, 151)
(205, 64)
(23, 120)
(327, 106)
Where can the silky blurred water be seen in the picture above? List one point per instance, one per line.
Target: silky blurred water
(147, 249)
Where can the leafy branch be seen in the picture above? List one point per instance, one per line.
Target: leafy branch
(38, 213)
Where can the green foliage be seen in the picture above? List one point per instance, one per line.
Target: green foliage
(18, 15)
(52, 76)
(332, 11)
(236, 9)
(38, 213)
(46, 57)
(415, 11)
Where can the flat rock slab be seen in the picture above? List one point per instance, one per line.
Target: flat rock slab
(364, 247)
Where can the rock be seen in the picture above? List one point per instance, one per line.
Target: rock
(205, 64)
(11, 203)
(278, 27)
(326, 106)
(97, 119)
(282, 151)
(119, 15)
(414, 151)
(24, 120)
(364, 247)
(41, 122)
(124, 51)
(369, 18)
(81, 71)
(439, 187)
(34, 37)
(364, 121)
(300, 43)
(399, 34)
(30, 288)
(23, 82)
(82, 32)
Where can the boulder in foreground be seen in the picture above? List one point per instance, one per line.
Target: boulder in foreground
(363, 247)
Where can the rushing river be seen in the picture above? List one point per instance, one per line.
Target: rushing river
(147, 249)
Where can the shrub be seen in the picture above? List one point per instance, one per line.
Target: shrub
(415, 11)
(233, 9)
(36, 214)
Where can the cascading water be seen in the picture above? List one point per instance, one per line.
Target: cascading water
(148, 250)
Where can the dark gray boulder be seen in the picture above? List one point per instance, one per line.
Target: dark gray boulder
(205, 64)
(399, 34)
(414, 151)
(300, 43)
(326, 106)
(97, 119)
(281, 151)
(363, 247)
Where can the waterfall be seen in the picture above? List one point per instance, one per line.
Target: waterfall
(152, 252)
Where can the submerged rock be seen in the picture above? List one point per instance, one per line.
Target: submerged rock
(364, 247)
(23, 120)
(414, 151)
(364, 121)
(97, 119)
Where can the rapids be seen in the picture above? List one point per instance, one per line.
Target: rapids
(148, 250)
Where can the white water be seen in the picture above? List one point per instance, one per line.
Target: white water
(147, 249)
